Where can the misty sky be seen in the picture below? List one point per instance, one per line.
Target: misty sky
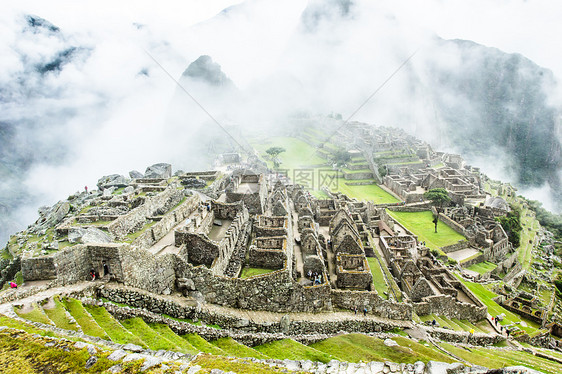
(122, 99)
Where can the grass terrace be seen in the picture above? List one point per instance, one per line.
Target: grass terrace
(379, 281)
(421, 224)
(483, 267)
(494, 309)
(292, 350)
(250, 272)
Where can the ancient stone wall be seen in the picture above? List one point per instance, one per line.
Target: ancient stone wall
(461, 244)
(452, 224)
(371, 300)
(448, 306)
(143, 270)
(136, 218)
(168, 221)
(38, 268)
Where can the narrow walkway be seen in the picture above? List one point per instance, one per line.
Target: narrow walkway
(259, 317)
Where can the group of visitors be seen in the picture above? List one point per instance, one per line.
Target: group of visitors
(364, 311)
(315, 277)
(495, 321)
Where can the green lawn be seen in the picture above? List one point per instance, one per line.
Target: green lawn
(152, 339)
(370, 192)
(483, 267)
(34, 315)
(421, 224)
(203, 345)
(498, 358)
(58, 316)
(292, 350)
(84, 319)
(181, 344)
(298, 154)
(486, 296)
(232, 348)
(114, 329)
(359, 347)
(250, 272)
(378, 277)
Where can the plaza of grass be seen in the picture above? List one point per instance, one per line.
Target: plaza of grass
(301, 162)
(96, 321)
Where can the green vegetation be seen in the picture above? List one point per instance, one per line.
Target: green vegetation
(152, 339)
(35, 315)
(483, 267)
(438, 197)
(359, 347)
(232, 348)
(58, 316)
(84, 319)
(420, 223)
(113, 328)
(498, 358)
(132, 236)
(203, 345)
(370, 192)
(292, 350)
(15, 324)
(23, 353)
(486, 296)
(182, 345)
(240, 366)
(250, 272)
(458, 325)
(552, 222)
(378, 277)
(511, 223)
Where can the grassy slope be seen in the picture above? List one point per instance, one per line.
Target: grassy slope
(113, 328)
(378, 276)
(203, 345)
(58, 316)
(300, 155)
(167, 333)
(494, 308)
(232, 348)
(35, 315)
(359, 347)
(421, 224)
(87, 323)
(367, 192)
(483, 267)
(498, 358)
(23, 353)
(292, 350)
(250, 272)
(240, 366)
(152, 339)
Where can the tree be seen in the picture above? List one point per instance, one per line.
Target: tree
(511, 223)
(273, 152)
(439, 197)
(341, 156)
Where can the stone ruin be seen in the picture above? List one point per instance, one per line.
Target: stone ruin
(314, 254)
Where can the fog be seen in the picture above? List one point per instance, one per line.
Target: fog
(110, 108)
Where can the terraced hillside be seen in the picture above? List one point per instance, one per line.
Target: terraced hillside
(74, 316)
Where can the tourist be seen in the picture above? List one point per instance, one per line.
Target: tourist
(365, 311)
(86, 188)
(93, 275)
(13, 285)
(471, 331)
(355, 309)
(433, 323)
